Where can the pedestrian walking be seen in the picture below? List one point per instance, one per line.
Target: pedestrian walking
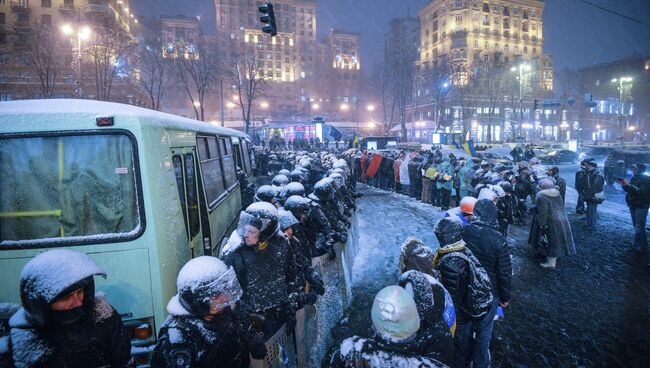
(638, 199)
(551, 232)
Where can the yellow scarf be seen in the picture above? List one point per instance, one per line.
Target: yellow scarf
(262, 246)
(440, 252)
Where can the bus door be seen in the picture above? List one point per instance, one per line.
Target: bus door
(192, 204)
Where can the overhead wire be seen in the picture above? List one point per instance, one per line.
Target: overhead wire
(615, 13)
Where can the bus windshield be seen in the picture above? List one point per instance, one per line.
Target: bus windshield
(64, 187)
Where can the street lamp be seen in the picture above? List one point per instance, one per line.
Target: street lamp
(620, 82)
(264, 105)
(83, 33)
(344, 107)
(370, 107)
(521, 68)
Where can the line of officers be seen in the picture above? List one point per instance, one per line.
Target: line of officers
(226, 309)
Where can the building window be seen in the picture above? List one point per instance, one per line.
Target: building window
(486, 20)
(458, 4)
(46, 20)
(45, 3)
(476, 44)
(534, 51)
(506, 11)
(525, 49)
(486, 58)
(485, 46)
(486, 8)
(459, 19)
(506, 48)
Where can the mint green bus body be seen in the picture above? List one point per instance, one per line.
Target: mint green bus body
(166, 181)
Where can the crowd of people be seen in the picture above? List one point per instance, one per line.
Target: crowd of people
(439, 313)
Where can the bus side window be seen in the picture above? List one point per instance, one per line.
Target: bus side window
(192, 198)
(180, 183)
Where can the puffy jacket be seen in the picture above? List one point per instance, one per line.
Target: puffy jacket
(97, 340)
(638, 192)
(453, 273)
(594, 183)
(189, 341)
(580, 179)
(265, 275)
(489, 247)
(376, 353)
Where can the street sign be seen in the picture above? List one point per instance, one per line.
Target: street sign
(551, 103)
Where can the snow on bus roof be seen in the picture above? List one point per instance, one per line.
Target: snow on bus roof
(102, 109)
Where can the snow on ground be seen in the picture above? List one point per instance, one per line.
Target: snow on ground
(593, 310)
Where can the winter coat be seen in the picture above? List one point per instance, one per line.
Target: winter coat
(453, 273)
(355, 352)
(434, 338)
(551, 217)
(320, 232)
(404, 171)
(98, 339)
(638, 191)
(505, 210)
(489, 247)
(265, 275)
(580, 180)
(446, 168)
(464, 175)
(561, 185)
(594, 183)
(190, 341)
(396, 169)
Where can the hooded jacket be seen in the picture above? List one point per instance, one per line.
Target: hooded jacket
(433, 339)
(377, 353)
(186, 340)
(96, 339)
(489, 247)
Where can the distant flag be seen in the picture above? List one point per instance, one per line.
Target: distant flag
(468, 147)
(334, 133)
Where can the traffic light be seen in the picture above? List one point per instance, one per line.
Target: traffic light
(268, 19)
(589, 101)
(535, 105)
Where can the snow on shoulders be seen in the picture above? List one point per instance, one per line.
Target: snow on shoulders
(354, 343)
(103, 309)
(175, 308)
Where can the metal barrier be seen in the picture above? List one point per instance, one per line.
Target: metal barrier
(314, 322)
(280, 351)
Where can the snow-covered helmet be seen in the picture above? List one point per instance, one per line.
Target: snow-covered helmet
(263, 216)
(280, 180)
(284, 172)
(286, 219)
(293, 189)
(448, 230)
(323, 190)
(485, 212)
(394, 314)
(203, 278)
(297, 176)
(52, 275)
(340, 164)
(338, 179)
(298, 205)
(305, 163)
(266, 193)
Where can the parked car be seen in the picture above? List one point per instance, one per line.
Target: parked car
(619, 160)
(559, 157)
(496, 159)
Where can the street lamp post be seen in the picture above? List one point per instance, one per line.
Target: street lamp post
(621, 130)
(83, 33)
(521, 68)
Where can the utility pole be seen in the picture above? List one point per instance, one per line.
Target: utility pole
(222, 112)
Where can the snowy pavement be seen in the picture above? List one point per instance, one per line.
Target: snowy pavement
(594, 310)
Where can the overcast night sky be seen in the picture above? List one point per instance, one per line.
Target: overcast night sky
(575, 33)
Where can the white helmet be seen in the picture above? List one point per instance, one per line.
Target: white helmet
(394, 315)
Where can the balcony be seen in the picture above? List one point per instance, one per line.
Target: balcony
(97, 9)
(20, 7)
(67, 8)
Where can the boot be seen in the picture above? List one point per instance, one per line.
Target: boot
(550, 262)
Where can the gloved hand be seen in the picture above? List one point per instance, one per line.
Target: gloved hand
(315, 281)
(257, 322)
(308, 299)
(256, 346)
(332, 254)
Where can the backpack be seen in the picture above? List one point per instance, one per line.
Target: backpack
(479, 291)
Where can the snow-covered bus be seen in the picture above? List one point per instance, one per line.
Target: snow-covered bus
(141, 192)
